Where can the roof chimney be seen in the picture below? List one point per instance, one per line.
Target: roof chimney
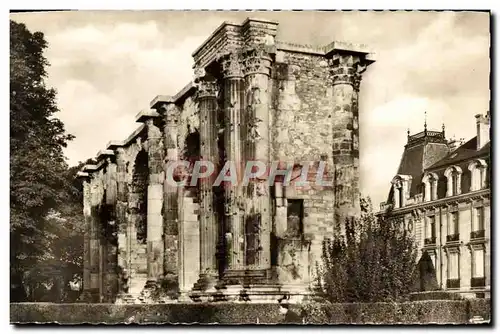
(483, 130)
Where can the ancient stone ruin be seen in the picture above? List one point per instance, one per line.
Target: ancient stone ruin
(253, 98)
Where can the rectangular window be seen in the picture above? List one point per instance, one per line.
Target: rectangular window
(453, 265)
(295, 214)
(455, 183)
(453, 224)
(479, 219)
(478, 263)
(476, 176)
(432, 227)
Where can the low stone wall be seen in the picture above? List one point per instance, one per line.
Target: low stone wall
(433, 311)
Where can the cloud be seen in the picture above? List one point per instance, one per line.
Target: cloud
(107, 66)
(95, 69)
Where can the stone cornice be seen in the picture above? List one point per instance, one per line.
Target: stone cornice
(82, 175)
(441, 202)
(114, 144)
(89, 168)
(224, 38)
(102, 154)
(132, 136)
(338, 46)
(159, 100)
(144, 115)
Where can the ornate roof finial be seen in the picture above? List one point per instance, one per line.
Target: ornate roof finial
(408, 132)
(425, 122)
(443, 130)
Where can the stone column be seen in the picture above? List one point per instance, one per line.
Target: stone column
(232, 74)
(346, 70)
(121, 221)
(96, 193)
(86, 240)
(155, 201)
(172, 261)
(257, 66)
(207, 102)
(111, 242)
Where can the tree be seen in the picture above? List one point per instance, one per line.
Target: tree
(38, 171)
(375, 261)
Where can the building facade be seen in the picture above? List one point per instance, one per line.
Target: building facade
(253, 98)
(442, 193)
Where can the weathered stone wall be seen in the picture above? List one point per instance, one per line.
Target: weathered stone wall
(301, 131)
(301, 123)
(272, 105)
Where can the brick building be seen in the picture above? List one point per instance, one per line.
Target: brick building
(442, 193)
(253, 98)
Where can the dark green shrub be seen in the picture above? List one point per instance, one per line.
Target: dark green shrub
(374, 262)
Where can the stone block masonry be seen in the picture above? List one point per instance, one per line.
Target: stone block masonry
(253, 99)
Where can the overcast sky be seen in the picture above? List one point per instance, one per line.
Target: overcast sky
(107, 66)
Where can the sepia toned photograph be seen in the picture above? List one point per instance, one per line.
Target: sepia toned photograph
(250, 167)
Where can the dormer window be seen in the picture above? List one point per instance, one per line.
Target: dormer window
(401, 188)
(429, 181)
(454, 176)
(478, 170)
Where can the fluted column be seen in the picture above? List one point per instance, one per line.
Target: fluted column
(346, 70)
(155, 201)
(207, 102)
(257, 66)
(231, 70)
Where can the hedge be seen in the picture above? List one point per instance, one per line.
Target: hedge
(432, 311)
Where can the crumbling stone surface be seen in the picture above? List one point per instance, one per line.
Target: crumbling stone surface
(296, 104)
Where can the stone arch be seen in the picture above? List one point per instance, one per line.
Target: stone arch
(401, 187)
(139, 195)
(478, 169)
(453, 175)
(430, 184)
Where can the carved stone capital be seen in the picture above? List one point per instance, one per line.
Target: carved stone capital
(207, 89)
(199, 73)
(231, 65)
(171, 113)
(346, 69)
(256, 60)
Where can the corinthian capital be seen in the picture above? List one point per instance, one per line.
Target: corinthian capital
(231, 65)
(346, 69)
(207, 88)
(256, 60)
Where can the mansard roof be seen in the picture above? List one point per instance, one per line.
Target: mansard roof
(467, 151)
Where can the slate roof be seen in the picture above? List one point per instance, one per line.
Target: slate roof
(467, 151)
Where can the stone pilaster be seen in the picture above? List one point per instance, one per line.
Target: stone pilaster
(110, 241)
(123, 236)
(95, 263)
(155, 244)
(346, 70)
(232, 74)
(86, 240)
(207, 102)
(172, 260)
(257, 66)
